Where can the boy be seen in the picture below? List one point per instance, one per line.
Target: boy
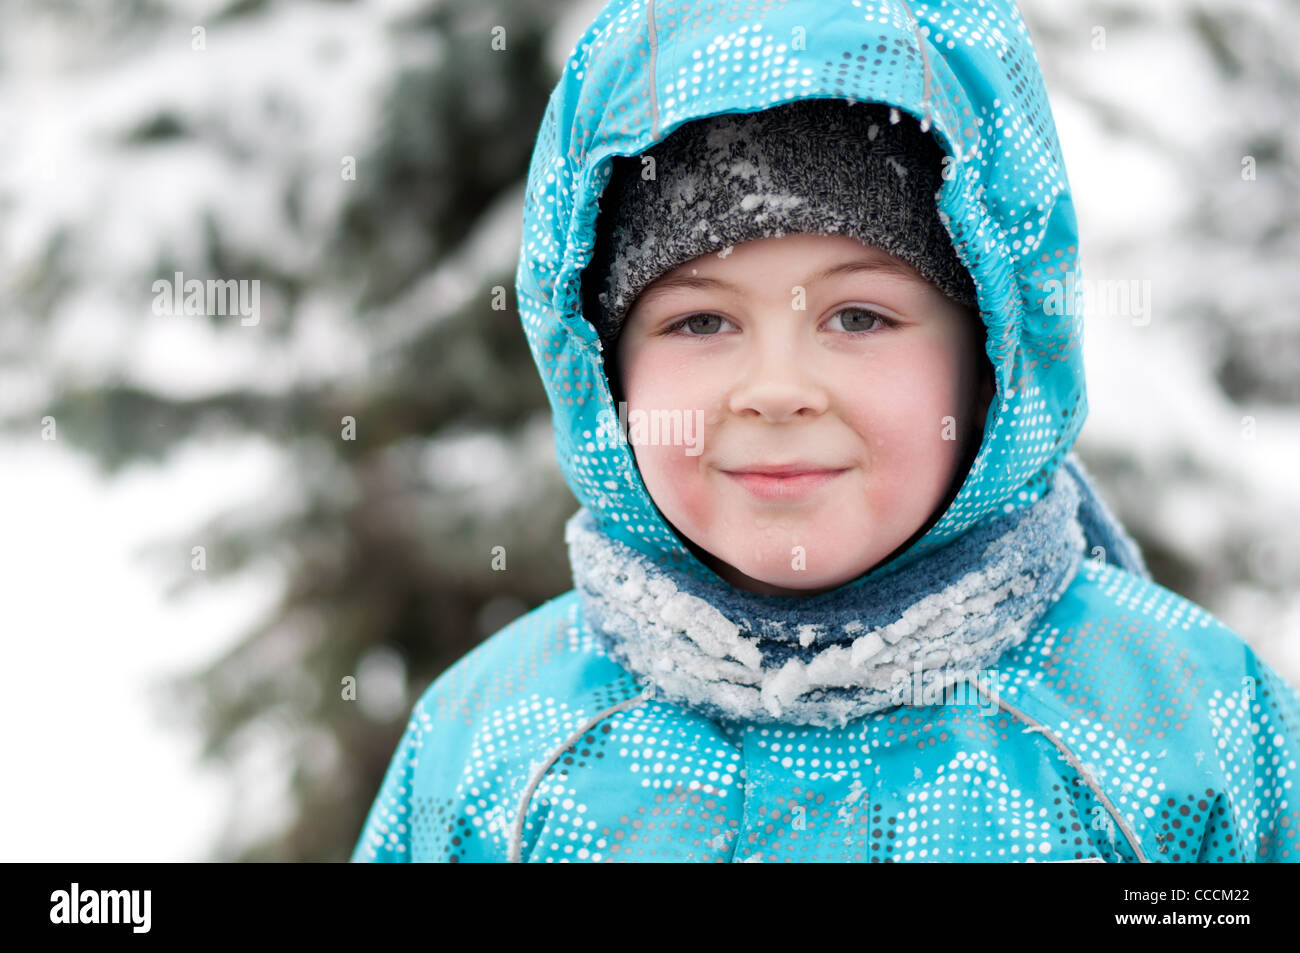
(841, 590)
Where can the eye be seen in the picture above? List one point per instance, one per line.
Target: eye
(860, 320)
(701, 325)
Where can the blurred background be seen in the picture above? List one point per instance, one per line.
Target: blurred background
(198, 549)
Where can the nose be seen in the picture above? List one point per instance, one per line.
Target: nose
(779, 380)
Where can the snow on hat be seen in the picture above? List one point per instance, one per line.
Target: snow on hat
(823, 166)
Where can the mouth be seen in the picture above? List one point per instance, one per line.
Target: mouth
(783, 483)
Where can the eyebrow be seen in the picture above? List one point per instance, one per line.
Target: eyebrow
(883, 266)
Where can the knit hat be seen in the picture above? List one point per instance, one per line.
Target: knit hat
(823, 166)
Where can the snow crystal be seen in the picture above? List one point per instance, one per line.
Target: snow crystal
(708, 628)
(867, 647)
(785, 687)
(807, 633)
(773, 201)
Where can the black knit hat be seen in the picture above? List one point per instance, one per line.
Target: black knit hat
(823, 166)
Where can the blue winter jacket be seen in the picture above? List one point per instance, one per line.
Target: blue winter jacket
(1142, 729)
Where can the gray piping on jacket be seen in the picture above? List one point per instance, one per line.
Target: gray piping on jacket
(517, 833)
(654, 56)
(925, 64)
(1042, 729)
(516, 836)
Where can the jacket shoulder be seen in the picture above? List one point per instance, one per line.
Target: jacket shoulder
(1133, 620)
(454, 783)
(1195, 735)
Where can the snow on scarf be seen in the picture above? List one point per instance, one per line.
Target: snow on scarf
(830, 658)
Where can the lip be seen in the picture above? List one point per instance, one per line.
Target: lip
(785, 469)
(784, 482)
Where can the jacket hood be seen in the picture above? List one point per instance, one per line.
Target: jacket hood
(967, 73)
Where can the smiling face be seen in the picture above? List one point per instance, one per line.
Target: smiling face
(814, 355)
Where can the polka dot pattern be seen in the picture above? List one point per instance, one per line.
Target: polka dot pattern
(1191, 739)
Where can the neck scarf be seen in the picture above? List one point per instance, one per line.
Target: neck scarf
(830, 658)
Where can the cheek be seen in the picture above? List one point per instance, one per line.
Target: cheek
(645, 370)
(676, 479)
(678, 486)
(670, 379)
(900, 403)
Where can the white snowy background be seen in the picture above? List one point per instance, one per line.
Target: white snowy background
(1153, 136)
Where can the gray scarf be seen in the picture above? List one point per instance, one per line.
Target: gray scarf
(830, 658)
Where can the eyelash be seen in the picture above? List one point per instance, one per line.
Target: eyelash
(673, 328)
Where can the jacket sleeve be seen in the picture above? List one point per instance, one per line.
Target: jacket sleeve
(1275, 724)
(386, 836)
(420, 813)
(449, 790)
(477, 737)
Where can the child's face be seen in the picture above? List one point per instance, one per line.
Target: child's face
(788, 367)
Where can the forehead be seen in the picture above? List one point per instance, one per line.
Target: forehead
(803, 258)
